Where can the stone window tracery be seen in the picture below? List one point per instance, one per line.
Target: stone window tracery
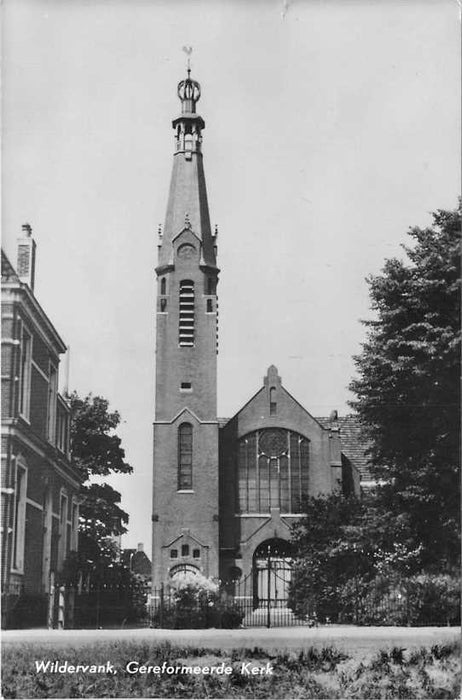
(273, 471)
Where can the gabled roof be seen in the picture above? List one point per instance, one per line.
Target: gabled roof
(43, 325)
(354, 445)
(8, 271)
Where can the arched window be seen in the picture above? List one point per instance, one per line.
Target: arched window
(273, 468)
(186, 323)
(185, 438)
(180, 570)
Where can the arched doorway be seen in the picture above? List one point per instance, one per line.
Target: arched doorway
(272, 571)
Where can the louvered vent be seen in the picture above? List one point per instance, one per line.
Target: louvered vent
(186, 327)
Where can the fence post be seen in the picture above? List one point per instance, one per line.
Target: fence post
(161, 610)
(97, 604)
(51, 602)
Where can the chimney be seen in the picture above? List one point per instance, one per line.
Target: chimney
(140, 547)
(26, 257)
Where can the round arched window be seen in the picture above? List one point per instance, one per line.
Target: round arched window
(182, 569)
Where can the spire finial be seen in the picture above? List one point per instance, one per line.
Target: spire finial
(188, 52)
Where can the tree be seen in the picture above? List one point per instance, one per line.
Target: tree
(113, 592)
(407, 389)
(97, 451)
(340, 546)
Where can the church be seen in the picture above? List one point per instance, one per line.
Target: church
(226, 492)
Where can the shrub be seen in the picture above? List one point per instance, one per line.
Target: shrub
(193, 602)
(434, 599)
(423, 599)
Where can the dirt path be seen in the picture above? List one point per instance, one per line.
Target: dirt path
(356, 641)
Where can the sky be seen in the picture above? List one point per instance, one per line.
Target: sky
(331, 129)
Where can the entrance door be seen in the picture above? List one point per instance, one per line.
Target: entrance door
(272, 573)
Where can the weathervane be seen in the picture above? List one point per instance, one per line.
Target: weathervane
(188, 52)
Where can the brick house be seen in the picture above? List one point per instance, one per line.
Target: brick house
(225, 491)
(40, 487)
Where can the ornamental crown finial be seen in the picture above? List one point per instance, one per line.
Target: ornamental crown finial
(189, 91)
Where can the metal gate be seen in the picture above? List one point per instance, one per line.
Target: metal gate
(263, 595)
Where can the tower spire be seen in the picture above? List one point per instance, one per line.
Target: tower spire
(188, 191)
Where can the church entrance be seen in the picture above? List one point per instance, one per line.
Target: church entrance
(272, 570)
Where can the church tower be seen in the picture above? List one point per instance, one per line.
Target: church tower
(185, 484)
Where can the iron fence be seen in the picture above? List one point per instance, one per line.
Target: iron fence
(241, 604)
(22, 609)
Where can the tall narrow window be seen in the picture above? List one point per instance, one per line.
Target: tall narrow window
(273, 404)
(186, 325)
(163, 286)
(62, 546)
(185, 437)
(24, 373)
(19, 529)
(52, 398)
(62, 427)
(46, 538)
(74, 525)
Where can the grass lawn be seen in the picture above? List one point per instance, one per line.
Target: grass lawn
(141, 669)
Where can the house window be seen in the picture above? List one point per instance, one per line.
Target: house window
(209, 306)
(273, 471)
(74, 526)
(52, 398)
(62, 429)
(163, 305)
(273, 404)
(46, 538)
(185, 550)
(186, 386)
(196, 553)
(185, 437)
(163, 286)
(19, 529)
(186, 322)
(24, 373)
(210, 285)
(173, 554)
(62, 544)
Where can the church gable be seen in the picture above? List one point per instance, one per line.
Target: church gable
(273, 406)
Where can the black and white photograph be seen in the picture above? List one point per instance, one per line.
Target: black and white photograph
(231, 333)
